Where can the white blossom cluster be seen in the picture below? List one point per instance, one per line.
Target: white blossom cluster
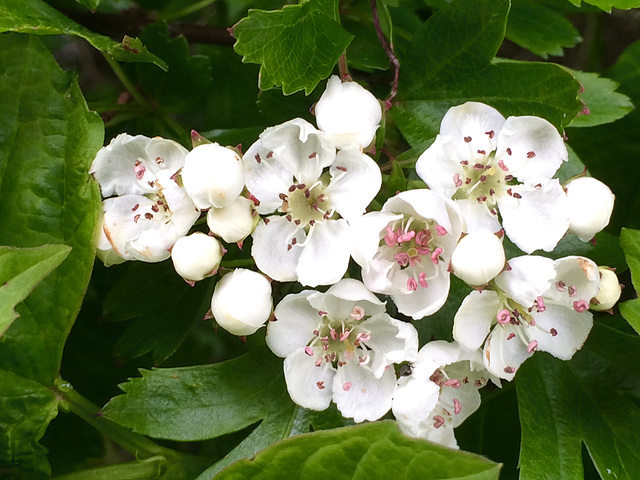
(302, 193)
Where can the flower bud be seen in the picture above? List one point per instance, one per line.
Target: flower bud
(242, 301)
(348, 113)
(213, 176)
(610, 290)
(235, 221)
(478, 258)
(196, 256)
(590, 206)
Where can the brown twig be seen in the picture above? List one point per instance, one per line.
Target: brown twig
(388, 48)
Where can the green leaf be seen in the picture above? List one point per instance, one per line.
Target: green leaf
(373, 450)
(48, 140)
(604, 104)
(38, 18)
(591, 399)
(297, 46)
(540, 29)
(449, 62)
(630, 243)
(26, 408)
(607, 5)
(91, 4)
(201, 402)
(161, 317)
(289, 421)
(21, 269)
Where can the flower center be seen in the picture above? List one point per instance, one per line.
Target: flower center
(158, 211)
(482, 180)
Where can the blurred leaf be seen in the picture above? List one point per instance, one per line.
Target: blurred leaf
(611, 151)
(630, 243)
(38, 18)
(297, 46)
(90, 4)
(189, 78)
(201, 402)
(290, 420)
(373, 450)
(26, 408)
(162, 306)
(48, 139)
(592, 399)
(540, 29)
(607, 5)
(21, 269)
(449, 62)
(604, 104)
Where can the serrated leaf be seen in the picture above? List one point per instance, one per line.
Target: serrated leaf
(540, 29)
(201, 402)
(591, 399)
(297, 46)
(607, 5)
(291, 420)
(630, 243)
(161, 306)
(604, 104)
(21, 269)
(38, 18)
(449, 62)
(26, 408)
(48, 139)
(373, 450)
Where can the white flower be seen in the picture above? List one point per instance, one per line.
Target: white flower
(539, 304)
(440, 392)
(241, 301)
(151, 210)
(235, 222)
(212, 175)
(404, 250)
(488, 164)
(610, 290)
(339, 346)
(196, 256)
(590, 206)
(349, 114)
(478, 258)
(285, 171)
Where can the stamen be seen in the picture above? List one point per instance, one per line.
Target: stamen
(363, 337)
(405, 237)
(540, 304)
(320, 385)
(560, 285)
(531, 154)
(422, 279)
(438, 421)
(502, 165)
(456, 406)
(454, 382)
(467, 139)
(532, 346)
(573, 291)
(503, 316)
(436, 253)
(257, 157)
(511, 335)
(509, 369)
(440, 230)
(346, 386)
(456, 180)
(334, 334)
(390, 238)
(553, 332)
(139, 171)
(508, 151)
(308, 351)
(357, 313)
(580, 306)
(344, 335)
(412, 285)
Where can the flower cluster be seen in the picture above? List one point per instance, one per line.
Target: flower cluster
(302, 194)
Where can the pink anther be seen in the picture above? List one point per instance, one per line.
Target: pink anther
(580, 306)
(503, 316)
(440, 230)
(436, 253)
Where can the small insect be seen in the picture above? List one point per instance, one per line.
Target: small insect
(405, 370)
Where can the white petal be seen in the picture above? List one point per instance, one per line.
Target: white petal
(377, 276)
(270, 250)
(530, 276)
(473, 319)
(342, 297)
(576, 279)
(348, 113)
(234, 222)
(392, 341)
(350, 191)
(165, 154)
(414, 400)
(537, 149)
(424, 301)
(295, 322)
(468, 399)
(478, 216)
(196, 256)
(266, 179)
(433, 355)
(183, 212)
(309, 386)
(571, 330)
(539, 219)
(358, 394)
(590, 206)
(325, 258)
(438, 164)
(473, 121)
(503, 355)
(366, 232)
(478, 258)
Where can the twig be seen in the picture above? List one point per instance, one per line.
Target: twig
(388, 48)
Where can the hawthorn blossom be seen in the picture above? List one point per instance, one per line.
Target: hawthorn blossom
(340, 345)
(348, 114)
(538, 304)
(590, 206)
(610, 291)
(478, 257)
(439, 392)
(294, 171)
(150, 210)
(488, 165)
(404, 249)
(196, 256)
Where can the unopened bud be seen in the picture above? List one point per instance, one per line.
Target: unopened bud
(212, 175)
(590, 206)
(242, 301)
(610, 290)
(235, 221)
(478, 258)
(348, 113)
(196, 256)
